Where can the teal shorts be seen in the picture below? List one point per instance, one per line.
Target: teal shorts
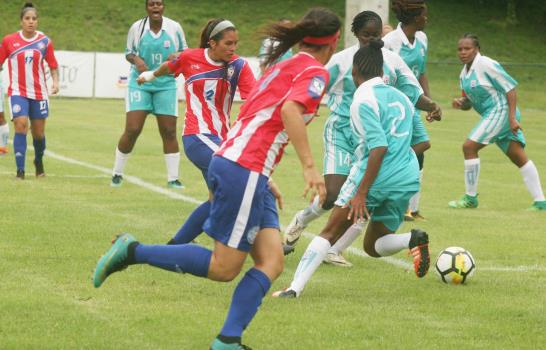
(419, 131)
(162, 102)
(496, 130)
(338, 145)
(387, 207)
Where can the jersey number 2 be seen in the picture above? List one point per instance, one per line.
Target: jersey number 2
(397, 120)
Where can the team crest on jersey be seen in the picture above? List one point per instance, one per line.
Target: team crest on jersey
(166, 44)
(230, 72)
(316, 87)
(252, 233)
(386, 79)
(16, 108)
(473, 83)
(41, 46)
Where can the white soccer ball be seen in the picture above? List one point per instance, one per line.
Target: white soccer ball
(455, 265)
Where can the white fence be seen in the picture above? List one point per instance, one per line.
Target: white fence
(99, 74)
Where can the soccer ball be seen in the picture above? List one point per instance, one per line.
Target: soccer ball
(455, 265)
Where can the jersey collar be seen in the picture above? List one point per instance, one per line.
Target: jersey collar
(404, 38)
(373, 82)
(163, 27)
(210, 60)
(474, 64)
(26, 39)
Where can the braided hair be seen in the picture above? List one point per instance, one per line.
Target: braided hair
(363, 18)
(368, 60)
(407, 10)
(474, 39)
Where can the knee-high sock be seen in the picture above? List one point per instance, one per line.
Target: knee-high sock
(392, 243)
(414, 201)
(172, 161)
(39, 149)
(183, 258)
(4, 134)
(310, 261)
(119, 163)
(20, 150)
(310, 213)
(348, 237)
(532, 180)
(471, 175)
(193, 225)
(246, 300)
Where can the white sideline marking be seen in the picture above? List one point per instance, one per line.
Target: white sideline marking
(65, 176)
(389, 260)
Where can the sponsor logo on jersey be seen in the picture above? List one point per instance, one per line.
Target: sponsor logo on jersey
(195, 66)
(16, 44)
(316, 87)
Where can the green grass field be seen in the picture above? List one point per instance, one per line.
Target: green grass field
(54, 229)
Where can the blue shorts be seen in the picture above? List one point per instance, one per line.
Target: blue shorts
(23, 106)
(162, 102)
(242, 205)
(199, 149)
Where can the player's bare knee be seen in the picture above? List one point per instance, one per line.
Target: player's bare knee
(369, 248)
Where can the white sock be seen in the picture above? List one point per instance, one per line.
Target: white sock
(310, 261)
(532, 181)
(414, 201)
(392, 243)
(471, 175)
(348, 237)
(4, 133)
(119, 163)
(172, 160)
(311, 212)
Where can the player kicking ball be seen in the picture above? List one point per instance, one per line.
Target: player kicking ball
(383, 178)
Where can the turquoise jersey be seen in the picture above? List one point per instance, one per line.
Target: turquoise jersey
(414, 54)
(486, 83)
(341, 86)
(381, 116)
(154, 49)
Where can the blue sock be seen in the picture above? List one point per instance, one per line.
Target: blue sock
(39, 148)
(182, 258)
(246, 300)
(20, 150)
(193, 225)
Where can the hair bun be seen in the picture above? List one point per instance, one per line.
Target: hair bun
(28, 4)
(376, 43)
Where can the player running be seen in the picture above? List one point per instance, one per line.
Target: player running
(150, 42)
(411, 44)
(26, 51)
(339, 145)
(492, 92)
(243, 217)
(382, 179)
(212, 74)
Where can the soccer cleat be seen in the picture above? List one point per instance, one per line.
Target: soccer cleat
(294, 230)
(408, 216)
(39, 168)
(3, 150)
(465, 202)
(538, 206)
(418, 246)
(287, 249)
(217, 344)
(175, 184)
(20, 174)
(116, 181)
(417, 216)
(337, 260)
(114, 260)
(285, 293)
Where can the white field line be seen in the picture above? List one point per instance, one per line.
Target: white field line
(389, 260)
(64, 176)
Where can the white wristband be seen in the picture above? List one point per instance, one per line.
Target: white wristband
(147, 75)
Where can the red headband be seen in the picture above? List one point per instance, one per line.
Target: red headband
(322, 40)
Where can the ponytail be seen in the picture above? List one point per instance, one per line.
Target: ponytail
(368, 60)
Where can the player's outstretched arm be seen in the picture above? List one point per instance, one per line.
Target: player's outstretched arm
(294, 124)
